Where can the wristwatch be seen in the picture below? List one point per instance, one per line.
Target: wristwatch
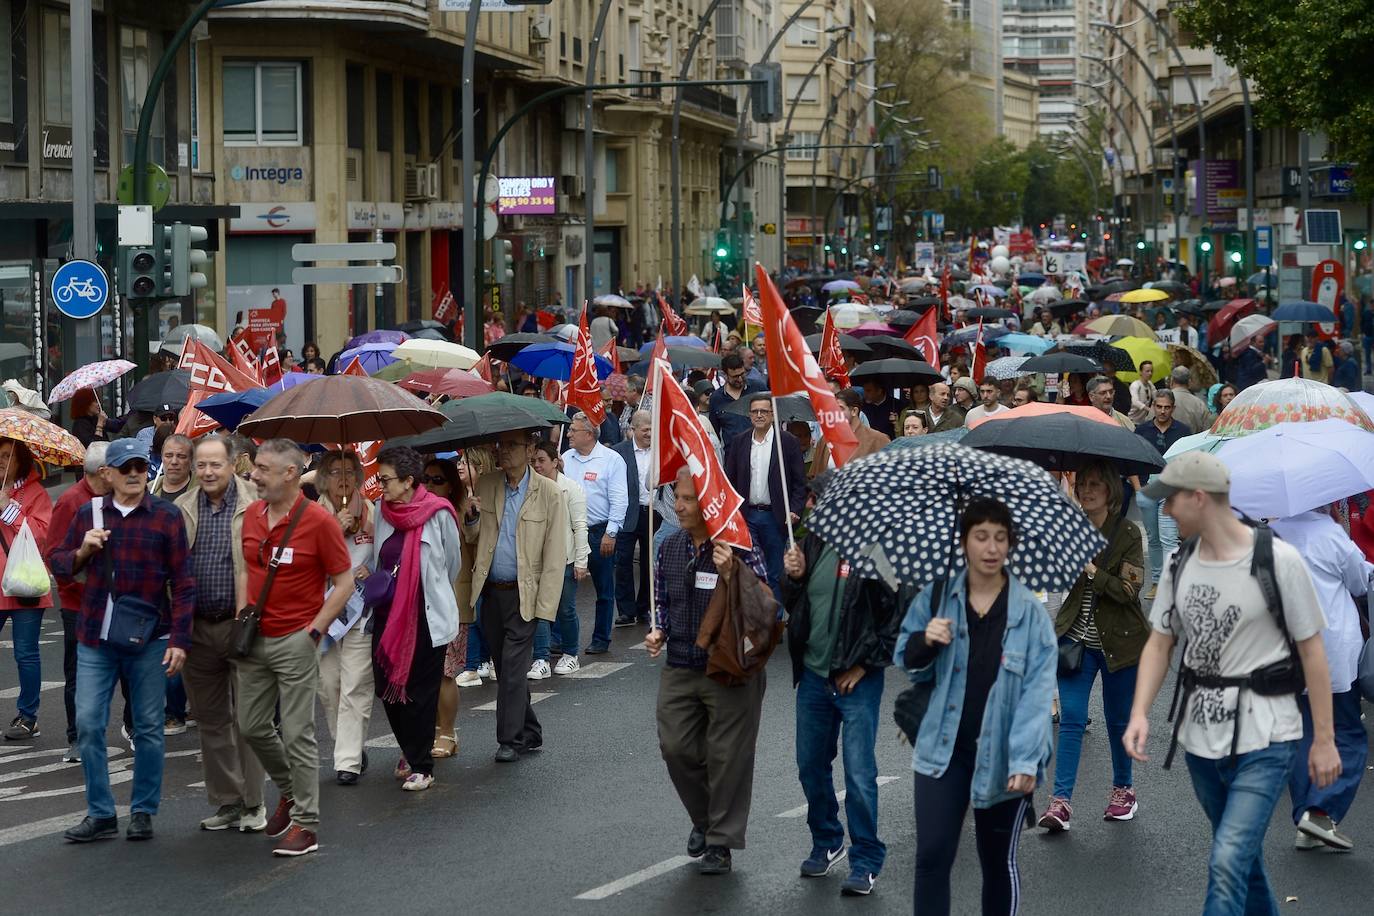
(315, 634)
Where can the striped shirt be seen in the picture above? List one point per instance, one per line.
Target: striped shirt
(1084, 627)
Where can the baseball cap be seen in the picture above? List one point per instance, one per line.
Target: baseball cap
(122, 451)
(1190, 471)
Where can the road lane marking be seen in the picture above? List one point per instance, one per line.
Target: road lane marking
(598, 669)
(11, 693)
(534, 698)
(639, 877)
(383, 741)
(49, 825)
(839, 796)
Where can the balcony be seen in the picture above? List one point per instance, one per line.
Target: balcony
(645, 76)
(710, 100)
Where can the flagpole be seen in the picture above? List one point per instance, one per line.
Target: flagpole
(653, 605)
(782, 471)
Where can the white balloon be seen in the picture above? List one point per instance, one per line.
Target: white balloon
(1000, 251)
(1000, 265)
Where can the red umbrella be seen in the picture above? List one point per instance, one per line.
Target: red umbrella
(1221, 322)
(453, 383)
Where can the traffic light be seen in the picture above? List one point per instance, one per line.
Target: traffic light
(1360, 244)
(503, 265)
(141, 268)
(766, 97)
(1140, 245)
(183, 257)
(721, 251)
(1205, 246)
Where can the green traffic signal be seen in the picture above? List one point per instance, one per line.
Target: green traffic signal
(1361, 244)
(1140, 245)
(1235, 257)
(1205, 246)
(722, 252)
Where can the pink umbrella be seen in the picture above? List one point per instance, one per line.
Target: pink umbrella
(875, 329)
(91, 376)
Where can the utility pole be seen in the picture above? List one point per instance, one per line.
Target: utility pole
(472, 225)
(83, 133)
(589, 159)
(675, 150)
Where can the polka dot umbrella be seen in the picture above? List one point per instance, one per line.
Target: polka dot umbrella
(913, 540)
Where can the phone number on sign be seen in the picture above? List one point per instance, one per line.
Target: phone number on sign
(534, 200)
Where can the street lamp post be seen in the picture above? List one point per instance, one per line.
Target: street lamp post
(588, 159)
(1134, 151)
(825, 129)
(787, 136)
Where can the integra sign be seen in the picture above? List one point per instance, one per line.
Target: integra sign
(278, 174)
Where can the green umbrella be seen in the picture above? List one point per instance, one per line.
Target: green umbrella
(470, 421)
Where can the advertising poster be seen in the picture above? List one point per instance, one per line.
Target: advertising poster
(262, 310)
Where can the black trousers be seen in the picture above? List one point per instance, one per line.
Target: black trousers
(69, 619)
(511, 640)
(626, 601)
(940, 808)
(412, 722)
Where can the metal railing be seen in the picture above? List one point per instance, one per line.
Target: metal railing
(646, 76)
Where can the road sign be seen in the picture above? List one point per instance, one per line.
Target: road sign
(937, 222)
(159, 186)
(769, 228)
(80, 288)
(1264, 252)
(310, 276)
(344, 251)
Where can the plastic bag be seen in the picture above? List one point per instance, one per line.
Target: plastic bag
(25, 574)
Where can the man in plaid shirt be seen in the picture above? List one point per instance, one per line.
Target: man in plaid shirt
(706, 731)
(148, 560)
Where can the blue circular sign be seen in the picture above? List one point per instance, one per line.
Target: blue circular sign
(80, 289)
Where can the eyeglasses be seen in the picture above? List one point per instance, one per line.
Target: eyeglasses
(383, 479)
(761, 412)
(435, 480)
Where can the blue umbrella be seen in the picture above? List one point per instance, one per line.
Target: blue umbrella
(554, 360)
(373, 357)
(291, 380)
(379, 336)
(1303, 311)
(229, 409)
(675, 340)
(988, 289)
(969, 333)
(1030, 280)
(1017, 342)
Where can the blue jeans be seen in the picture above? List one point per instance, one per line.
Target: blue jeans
(477, 646)
(602, 571)
(542, 631)
(661, 532)
(771, 541)
(176, 697)
(628, 604)
(27, 626)
(97, 669)
(1351, 743)
(1238, 796)
(1161, 531)
(568, 625)
(821, 712)
(1118, 690)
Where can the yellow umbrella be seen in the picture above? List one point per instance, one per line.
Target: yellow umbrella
(1120, 326)
(1142, 350)
(437, 354)
(1144, 295)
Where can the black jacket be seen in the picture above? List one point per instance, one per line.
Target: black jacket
(625, 448)
(737, 472)
(870, 617)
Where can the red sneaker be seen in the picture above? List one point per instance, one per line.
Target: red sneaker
(1121, 806)
(1056, 816)
(297, 842)
(280, 819)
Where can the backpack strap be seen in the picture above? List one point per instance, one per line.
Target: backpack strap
(1262, 568)
(1178, 705)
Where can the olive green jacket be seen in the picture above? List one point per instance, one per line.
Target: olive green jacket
(1121, 624)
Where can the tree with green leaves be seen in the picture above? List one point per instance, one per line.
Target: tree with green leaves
(1307, 59)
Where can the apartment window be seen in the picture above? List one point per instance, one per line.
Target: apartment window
(410, 116)
(386, 126)
(436, 119)
(804, 139)
(355, 127)
(137, 49)
(6, 64)
(804, 33)
(617, 182)
(635, 44)
(805, 87)
(262, 103)
(57, 67)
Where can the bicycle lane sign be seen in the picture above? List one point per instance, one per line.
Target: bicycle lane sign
(80, 288)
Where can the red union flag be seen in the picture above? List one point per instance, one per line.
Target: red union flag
(584, 392)
(447, 309)
(792, 369)
(672, 322)
(271, 367)
(241, 355)
(612, 354)
(922, 336)
(367, 452)
(191, 421)
(980, 356)
(680, 441)
(210, 372)
(831, 357)
(752, 313)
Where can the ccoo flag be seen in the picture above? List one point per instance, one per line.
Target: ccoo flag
(793, 370)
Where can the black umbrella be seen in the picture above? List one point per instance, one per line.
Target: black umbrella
(426, 324)
(1172, 287)
(902, 318)
(1116, 286)
(511, 344)
(1065, 307)
(159, 389)
(789, 407)
(1059, 363)
(913, 539)
(682, 358)
(959, 275)
(1063, 442)
(894, 348)
(990, 313)
(1216, 305)
(848, 344)
(1191, 306)
(921, 303)
(806, 317)
(1104, 353)
(431, 334)
(471, 421)
(896, 373)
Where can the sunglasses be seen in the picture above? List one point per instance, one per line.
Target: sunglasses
(168, 416)
(133, 467)
(435, 481)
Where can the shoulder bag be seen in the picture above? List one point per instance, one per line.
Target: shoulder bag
(245, 628)
(133, 620)
(909, 709)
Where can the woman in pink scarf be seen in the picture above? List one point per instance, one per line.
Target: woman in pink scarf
(417, 542)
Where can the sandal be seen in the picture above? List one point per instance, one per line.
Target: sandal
(444, 746)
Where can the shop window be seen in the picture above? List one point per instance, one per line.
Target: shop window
(263, 103)
(6, 64)
(57, 67)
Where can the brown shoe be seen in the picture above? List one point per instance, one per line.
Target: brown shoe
(280, 819)
(297, 842)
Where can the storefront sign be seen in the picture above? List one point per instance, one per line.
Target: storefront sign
(362, 215)
(390, 217)
(1333, 181)
(445, 214)
(271, 218)
(272, 174)
(534, 196)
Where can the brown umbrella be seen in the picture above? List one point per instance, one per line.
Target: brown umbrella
(342, 408)
(1204, 374)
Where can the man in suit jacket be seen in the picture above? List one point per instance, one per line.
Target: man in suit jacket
(518, 523)
(941, 415)
(870, 440)
(632, 609)
(751, 466)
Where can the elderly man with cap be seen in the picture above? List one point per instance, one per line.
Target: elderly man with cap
(135, 623)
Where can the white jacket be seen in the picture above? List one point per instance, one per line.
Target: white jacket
(440, 564)
(575, 502)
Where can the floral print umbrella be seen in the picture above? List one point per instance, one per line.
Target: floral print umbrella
(91, 376)
(49, 443)
(1289, 400)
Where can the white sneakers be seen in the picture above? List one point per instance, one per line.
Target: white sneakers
(539, 670)
(486, 671)
(469, 679)
(567, 665)
(417, 782)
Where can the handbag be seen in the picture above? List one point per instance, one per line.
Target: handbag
(244, 631)
(379, 587)
(1070, 657)
(133, 621)
(909, 709)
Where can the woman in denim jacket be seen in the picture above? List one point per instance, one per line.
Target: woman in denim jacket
(985, 737)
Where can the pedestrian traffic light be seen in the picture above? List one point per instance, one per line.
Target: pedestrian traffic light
(503, 264)
(721, 251)
(1205, 246)
(766, 96)
(141, 268)
(183, 257)
(1139, 244)
(1361, 244)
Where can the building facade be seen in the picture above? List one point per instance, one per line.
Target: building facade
(1052, 42)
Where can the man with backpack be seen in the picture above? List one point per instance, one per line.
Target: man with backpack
(1244, 605)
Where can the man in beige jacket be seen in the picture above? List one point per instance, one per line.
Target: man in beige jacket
(518, 523)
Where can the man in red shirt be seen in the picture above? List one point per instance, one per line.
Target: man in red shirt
(283, 667)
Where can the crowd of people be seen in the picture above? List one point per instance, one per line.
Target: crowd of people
(236, 583)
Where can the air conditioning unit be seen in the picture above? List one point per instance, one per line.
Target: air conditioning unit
(571, 185)
(541, 31)
(422, 182)
(564, 204)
